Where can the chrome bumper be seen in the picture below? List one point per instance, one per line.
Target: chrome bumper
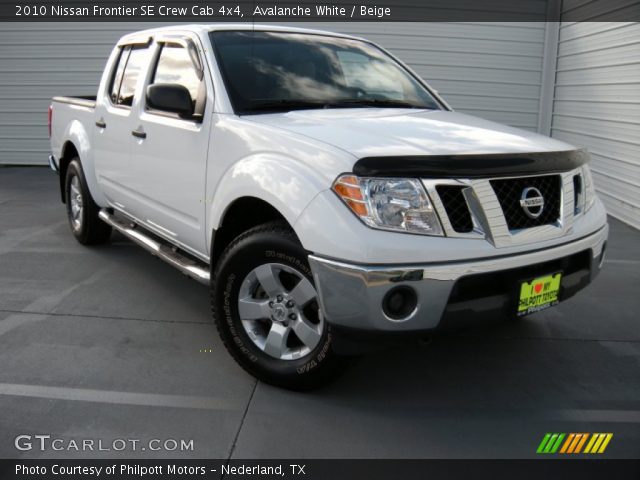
(351, 295)
(53, 164)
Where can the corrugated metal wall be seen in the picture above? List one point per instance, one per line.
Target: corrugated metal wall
(597, 105)
(488, 69)
(38, 61)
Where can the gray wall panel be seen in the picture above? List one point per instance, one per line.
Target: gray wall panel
(597, 105)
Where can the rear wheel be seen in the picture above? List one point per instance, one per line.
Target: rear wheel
(82, 211)
(267, 311)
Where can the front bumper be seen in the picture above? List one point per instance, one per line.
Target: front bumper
(351, 296)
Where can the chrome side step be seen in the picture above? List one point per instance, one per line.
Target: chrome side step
(163, 251)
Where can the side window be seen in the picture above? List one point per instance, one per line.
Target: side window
(135, 64)
(116, 79)
(175, 66)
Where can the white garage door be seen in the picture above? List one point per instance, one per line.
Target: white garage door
(597, 105)
(488, 69)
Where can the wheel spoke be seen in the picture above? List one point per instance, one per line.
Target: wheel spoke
(251, 309)
(268, 278)
(302, 293)
(270, 312)
(306, 332)
(276, 340)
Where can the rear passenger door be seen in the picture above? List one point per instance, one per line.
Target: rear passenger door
(172, 157)
(114, 119)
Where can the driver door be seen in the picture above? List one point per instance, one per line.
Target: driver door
(170, 154)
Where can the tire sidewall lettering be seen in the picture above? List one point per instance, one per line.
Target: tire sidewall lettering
(228, 315)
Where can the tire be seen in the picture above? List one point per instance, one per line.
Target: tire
(266, 310)
(82, 211)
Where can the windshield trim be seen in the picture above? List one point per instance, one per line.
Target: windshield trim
(239, 112)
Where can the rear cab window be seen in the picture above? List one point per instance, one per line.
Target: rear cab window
(131, 62)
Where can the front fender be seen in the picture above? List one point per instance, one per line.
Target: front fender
(285, 183)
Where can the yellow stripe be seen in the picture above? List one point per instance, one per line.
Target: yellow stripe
(596, 445)
(605, 443)
(567, 442)
(584, 439)
(591, 442)
(574, 443)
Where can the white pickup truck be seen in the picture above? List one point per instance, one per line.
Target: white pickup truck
(322, 190)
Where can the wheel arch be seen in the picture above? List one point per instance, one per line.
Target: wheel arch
(69, 152)
(262, 187)
(77, 143)
(241, 215)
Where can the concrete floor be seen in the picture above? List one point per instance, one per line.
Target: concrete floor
(106, 343)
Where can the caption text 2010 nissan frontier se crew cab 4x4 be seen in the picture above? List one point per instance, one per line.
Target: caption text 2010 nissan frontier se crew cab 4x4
(322, 190)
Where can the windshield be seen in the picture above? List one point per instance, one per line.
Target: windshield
(273, 71)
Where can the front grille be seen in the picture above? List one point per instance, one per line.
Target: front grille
(509, 192)
(456, 207)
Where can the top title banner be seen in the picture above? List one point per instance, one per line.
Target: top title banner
(333, 10)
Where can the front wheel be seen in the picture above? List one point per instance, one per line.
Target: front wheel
(267, 311)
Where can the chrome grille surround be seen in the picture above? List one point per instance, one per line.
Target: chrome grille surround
(488, 217)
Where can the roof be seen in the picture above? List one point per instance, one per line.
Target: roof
(210, 27)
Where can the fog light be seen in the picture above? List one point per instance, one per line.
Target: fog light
(399, 302)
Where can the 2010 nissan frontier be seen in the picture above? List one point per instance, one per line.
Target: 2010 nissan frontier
(321, 189)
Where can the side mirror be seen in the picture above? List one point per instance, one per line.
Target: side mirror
(170, 97)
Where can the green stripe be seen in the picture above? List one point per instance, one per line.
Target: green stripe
(550, 443)
(543, 443)
(558, 442)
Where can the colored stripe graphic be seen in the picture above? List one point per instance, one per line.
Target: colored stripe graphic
(573, 443)
(581, 443)
(598, 443)
(576, 438)
(556, 445)
(567, 443)
(543, 443)
(591, 442)
(550, 443)
(605, 443)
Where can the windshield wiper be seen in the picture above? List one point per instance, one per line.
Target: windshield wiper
(285, 105)
(281, 105)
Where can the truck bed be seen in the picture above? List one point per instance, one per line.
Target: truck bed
(66, 111)
(82, 101)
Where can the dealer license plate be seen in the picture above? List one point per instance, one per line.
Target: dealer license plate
(539, 293)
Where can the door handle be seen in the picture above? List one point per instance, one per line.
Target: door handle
(101, 124)
(138, 134)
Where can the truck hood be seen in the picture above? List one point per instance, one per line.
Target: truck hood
(365, 132)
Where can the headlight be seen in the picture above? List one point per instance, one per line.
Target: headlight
(397, 204)
(589, 189)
